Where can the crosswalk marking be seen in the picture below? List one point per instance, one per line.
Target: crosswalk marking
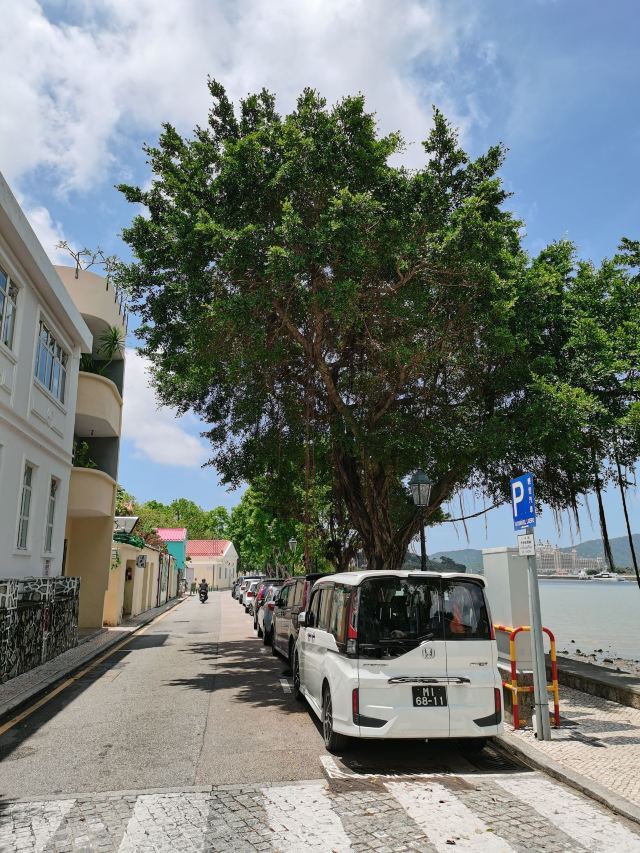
(44, 818)
(432, 812)
(589, 825)
(444, 819)
(302, 818)
(167, 821)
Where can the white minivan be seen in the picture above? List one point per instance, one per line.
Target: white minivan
(400, 654)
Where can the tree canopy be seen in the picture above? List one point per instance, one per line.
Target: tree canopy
(328, 311)
(200, 523)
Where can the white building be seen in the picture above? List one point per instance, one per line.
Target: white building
(215, 560)
(551, 560)
(42, 336)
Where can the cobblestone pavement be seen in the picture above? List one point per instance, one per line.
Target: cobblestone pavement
(599, 739)
(20, 689)
(484, 812)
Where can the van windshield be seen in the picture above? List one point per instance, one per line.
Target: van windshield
(396, 614)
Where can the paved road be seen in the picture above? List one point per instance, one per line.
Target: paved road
(187, 739)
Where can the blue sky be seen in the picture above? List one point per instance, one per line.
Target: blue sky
(84, 84)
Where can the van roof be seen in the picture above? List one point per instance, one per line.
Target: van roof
(355, 578)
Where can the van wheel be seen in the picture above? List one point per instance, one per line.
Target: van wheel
(260, 631)
(297, 692)
(333, 742)
(291, 655)
(267, 639)
(274, 651)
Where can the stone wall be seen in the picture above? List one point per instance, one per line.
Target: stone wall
(38, 620)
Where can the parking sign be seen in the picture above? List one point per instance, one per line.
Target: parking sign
(522, 502)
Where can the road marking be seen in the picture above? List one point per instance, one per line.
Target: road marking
(167, 822)
(302, 818)
(285, 685)
(445, 820)
(5, 727)
(588, 824)
(43, 817)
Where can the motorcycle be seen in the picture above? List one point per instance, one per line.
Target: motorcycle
(203, 594)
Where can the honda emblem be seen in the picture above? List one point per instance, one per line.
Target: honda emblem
(428, 652)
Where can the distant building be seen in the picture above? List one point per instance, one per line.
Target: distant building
(215, 560)
(552, 560)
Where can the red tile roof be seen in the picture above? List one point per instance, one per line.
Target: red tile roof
(207, 547)
(172, 534)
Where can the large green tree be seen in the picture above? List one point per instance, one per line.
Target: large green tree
(306, 296)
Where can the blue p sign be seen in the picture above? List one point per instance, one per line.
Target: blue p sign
(522, 502)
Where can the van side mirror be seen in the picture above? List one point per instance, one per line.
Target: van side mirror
(302, 619)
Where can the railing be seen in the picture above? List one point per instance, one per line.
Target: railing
(513, 686)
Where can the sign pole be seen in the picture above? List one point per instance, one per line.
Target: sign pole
(543, 729)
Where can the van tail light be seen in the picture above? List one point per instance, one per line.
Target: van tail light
(355, 704)
(498, 703)
(352, 624)
(271, 605)
(250, 595)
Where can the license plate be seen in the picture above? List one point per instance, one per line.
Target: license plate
(429, 697)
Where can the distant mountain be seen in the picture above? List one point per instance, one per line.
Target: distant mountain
(472, 557)
(619, 547)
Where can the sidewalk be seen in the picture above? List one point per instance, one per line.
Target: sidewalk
(17, 691)
(596, 749)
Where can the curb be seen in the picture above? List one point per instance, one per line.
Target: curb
(513, 748)
(36, 692)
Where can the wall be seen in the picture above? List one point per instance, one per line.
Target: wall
(114, 596)
(89, 543)
(217, 571)
(38, 621)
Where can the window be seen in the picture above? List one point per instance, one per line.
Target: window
(297, 594)
(25, 507)
(314, 609)
(51, 512)
(325, 608)
(51, 363)
(284, 595)
(339, 612)
(465, 611)
(8, 306)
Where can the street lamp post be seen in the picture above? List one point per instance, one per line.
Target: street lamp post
(420, 486)
(293, 544)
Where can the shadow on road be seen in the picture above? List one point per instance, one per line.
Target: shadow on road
(241, 667)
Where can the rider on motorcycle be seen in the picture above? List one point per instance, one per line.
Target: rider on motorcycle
(203, 589)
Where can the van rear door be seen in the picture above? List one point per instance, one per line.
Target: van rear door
(471, 658)
(402, 658)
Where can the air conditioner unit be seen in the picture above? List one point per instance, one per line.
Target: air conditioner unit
(141, 561)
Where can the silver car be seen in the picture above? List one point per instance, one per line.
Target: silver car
(265, 615)
(249, 595)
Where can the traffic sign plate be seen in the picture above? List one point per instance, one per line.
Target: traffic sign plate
(522, 502)
(526, 545)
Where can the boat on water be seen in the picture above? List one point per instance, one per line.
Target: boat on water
(606, 576)
(583, 576)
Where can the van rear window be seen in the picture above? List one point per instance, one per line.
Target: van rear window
(397, 614)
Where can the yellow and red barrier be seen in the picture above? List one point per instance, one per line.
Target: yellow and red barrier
(515, 688)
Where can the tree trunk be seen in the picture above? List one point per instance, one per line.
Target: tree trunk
(626, 518)
(603, 520)
(367, 495)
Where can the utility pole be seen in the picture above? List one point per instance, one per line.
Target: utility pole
(543, 729)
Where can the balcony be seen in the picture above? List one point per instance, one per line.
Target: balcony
(91, 494)
(98, 407)
(96, 299)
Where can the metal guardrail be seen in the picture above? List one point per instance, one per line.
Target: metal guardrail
(513, 686)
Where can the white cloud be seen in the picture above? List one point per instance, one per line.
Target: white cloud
(48, 231)
(156, 432)
(77, 80)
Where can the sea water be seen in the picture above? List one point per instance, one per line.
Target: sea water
(596, 614)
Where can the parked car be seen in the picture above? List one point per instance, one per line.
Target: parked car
(399, 655)
(265, 615)
(261, 592)
(291, 601)
(245, 585)
(249, 595)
